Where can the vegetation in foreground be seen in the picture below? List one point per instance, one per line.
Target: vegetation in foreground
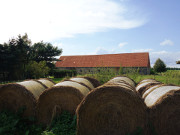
(15, 124)
(65, 124)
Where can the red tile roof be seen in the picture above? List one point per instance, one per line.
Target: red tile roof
(106, 60)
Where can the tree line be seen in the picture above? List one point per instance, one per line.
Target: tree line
(20, 59)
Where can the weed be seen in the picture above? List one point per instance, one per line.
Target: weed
(15, 124)
(64, 124)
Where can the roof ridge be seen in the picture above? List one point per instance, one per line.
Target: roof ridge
(108, 54)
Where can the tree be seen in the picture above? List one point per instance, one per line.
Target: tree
(45, 52)
(18, 52)
(37, 70)
(159, 66)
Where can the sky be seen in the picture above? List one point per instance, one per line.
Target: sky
(90, 27)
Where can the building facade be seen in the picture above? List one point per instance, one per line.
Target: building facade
(124, 62)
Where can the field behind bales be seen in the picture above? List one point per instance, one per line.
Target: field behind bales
(168, 77)
(65, 124)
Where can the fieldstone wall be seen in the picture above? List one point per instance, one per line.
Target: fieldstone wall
(93, 70)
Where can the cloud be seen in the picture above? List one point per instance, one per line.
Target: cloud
(142, 50)
(101, 50)
(122, 44)
(59, 45)
(166, 42)
(169, 58)
(160, 52)
(52, 19)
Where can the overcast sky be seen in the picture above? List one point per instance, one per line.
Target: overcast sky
(82, 27)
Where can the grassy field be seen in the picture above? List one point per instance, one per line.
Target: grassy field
(168, 77)
(65, 124)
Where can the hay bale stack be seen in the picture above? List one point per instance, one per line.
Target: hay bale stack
(84, 81)
(64, 96)
(95, 82)
(164, 105)
(24, 94)
(47, 82)
(122, 80)
(145, 84)
(111, 110)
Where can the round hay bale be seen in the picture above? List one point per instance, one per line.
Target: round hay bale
(147, 80)
(144, 85)
(110, 110)
(84, 81)
(123, 79)
(77, 82)
(17, 95)
(47, 82)
(120, 83)
(95, 82)
(64, 96)
(164, 105)
(150, 89)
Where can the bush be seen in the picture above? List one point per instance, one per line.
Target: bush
(37, 70)
(63, 73)
(15, 124)
(159, 66)
(64, 124)
(152, 71)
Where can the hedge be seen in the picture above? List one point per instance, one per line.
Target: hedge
(63, 73)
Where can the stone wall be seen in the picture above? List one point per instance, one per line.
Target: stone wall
(91, 70)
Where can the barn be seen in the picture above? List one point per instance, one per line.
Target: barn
(90, 63)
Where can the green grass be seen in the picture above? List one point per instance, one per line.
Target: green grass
(168, 77)
(57, 80)
(15, 124)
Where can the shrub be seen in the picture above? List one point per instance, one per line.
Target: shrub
(37, 70)
(159, 66)
(152, 71)
(15, 124)
(64, 124)
(64, 73)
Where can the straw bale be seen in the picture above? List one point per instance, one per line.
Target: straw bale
(111, 110)
(47, 82)
(144, 85)
(64, 96)
(23, 94)
(147, 80)
(123, 79)
(150, 89)
(120, 83)
(84, 81)
(79, 83)
(164, 105)
(95, 82)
